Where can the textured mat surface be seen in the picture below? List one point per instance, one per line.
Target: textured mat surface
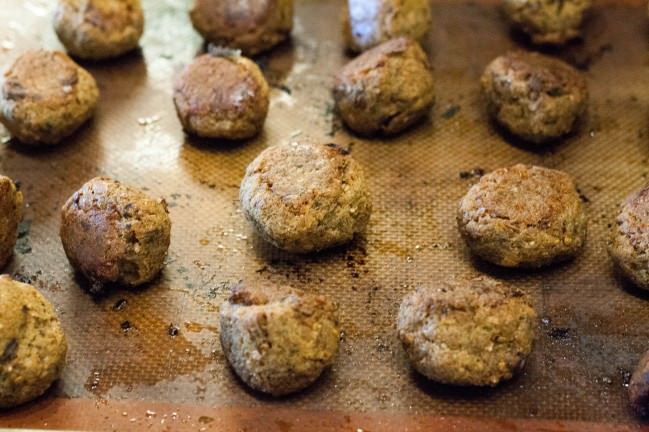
(593, 327)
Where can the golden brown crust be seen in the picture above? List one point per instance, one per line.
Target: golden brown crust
(32, 343)
(113, 233)
(252, 27)
(523, 216)
(278, 340)
(11, 202)
(222, 97)
(535, 97)
(386, 89)
(368, 23)
(305, 197)
(467, 331)
(99, 29)
(630, 240)
(46, 97)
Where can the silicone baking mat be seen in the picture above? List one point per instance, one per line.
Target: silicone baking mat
(126, 370)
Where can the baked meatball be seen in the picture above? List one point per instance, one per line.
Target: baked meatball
(305, 197)
(32, 343)
(523, 216)
(548, 21)
(115, 234)
(630, 240)
(639, 387)
(251, 26)
(467, 331)
(46, 97)
(11, 203)
(386, 89)
(222, 97)
(368, 23)
(535, 97)
(278, 341)
(99, 29)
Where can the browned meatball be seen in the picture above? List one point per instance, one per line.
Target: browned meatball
(46, 97)
(523, 216)
(548, 21)
(251, 26)
(11, 202)
(368, 23)
(99, 29)
(386, 89)
(222, 97)
(535, 97)
(630, 240)
(278, 340)
(114, 233)
(467, 331)
(304, 197)
(32, 343)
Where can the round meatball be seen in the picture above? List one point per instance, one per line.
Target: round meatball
(46, 97)
(548, 21)
(251, 26)
(278, 341)
(32, 343)
(639, 387)
(630, 240)
(386, 89)
(99, 29)
(467, 331)
(534, 97)
(523, 216)
(305, 197)
(11, 203)
(113, 233)
(368, 23)
(222, 97)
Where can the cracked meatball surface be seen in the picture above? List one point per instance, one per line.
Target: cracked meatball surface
(385, 90)
(533, 96)
(475, 332)
(115, 234)
(303, 196)
(99, 29)
(222, 97)
(523, 216)
(552, 22)
(251, 26)
(32, 343)
(46, 97)
(278, 341)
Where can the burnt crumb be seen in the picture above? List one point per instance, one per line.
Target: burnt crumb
(18, 184)
(355, 275)
(341, 150)
(172, 330)
(559, 333)
(626, 376)
(120, 304)
(474, 173)
(583, 197)
(20, 277)
(286, 89)
(262, 269)
(451, 111)
(126, 327)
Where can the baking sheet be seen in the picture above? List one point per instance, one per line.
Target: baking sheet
(593, 326)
